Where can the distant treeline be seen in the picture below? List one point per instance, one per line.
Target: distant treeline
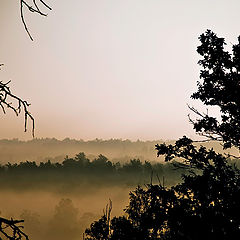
(79, 171)
(114, 149)
(51, 148)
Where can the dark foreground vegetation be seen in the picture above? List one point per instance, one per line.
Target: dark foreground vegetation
(206, 205)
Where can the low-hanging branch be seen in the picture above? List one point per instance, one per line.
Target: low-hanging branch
(33, 7)
(6, 101)
(11, 229)
(210, 135)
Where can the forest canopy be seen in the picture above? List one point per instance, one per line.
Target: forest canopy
(75, 173)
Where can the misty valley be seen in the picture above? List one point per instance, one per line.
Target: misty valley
(119, 70)
(59, 200)
(60, 197)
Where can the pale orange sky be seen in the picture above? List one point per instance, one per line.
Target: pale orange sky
(107, 68)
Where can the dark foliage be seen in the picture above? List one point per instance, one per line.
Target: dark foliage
(77, 171)
(208, 200)
(206, 205)
(220, 87)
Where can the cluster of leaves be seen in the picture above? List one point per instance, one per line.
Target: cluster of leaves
(206, 205)
(220, 87)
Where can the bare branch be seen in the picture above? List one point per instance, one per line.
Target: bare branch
(210, 135)
(6, 98)
(35, 9)
(231, 155)
(11, 229)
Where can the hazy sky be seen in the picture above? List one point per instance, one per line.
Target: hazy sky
(108, 68)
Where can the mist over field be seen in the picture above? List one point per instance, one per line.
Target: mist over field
(61, 187)
(56, 150)
(59, 199)
(15, 150)
(52, 216)
(81, 78)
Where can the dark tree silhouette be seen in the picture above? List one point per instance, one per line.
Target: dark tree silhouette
(220, 87)
(101, 229)
(206, 205)
(209, 197)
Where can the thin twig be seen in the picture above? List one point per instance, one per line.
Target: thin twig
(35, 9)
(6, 95)
(16, 232)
